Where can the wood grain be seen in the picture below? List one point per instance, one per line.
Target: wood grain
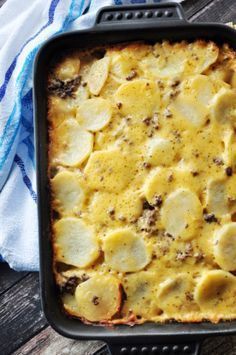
(48, 342)
(216, 11)
(20, 314)
(9, 277)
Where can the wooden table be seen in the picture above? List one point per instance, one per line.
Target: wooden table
(23, 328)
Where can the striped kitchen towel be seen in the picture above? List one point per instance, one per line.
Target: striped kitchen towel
(25, 25)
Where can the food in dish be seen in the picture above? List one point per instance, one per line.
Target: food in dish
(142, 169)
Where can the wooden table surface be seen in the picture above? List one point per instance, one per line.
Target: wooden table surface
(23, 328)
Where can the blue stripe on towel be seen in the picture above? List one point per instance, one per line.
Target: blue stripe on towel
(11, 68)
(25, 177)
(15, 126)
(30, 146)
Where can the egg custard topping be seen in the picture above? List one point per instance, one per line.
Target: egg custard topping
(142, 168)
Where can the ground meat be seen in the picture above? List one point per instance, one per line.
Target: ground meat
(218, 161)
(63, 89)
(146, 165)
(70, 285)
(147, 121)
(189, 296)
(210, 218)
(95, 300)
(132, 75)
(111, 212)
(199, 256)
(184, 254)
(147, 222)
(158, 201)
(229, 171)
(147, 206)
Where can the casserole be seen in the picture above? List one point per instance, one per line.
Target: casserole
(127, 25)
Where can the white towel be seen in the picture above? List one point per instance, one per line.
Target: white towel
(25, 25)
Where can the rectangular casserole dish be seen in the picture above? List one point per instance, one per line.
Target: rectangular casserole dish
(113, 25)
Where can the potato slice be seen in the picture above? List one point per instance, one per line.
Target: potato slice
(98, 298)
(157, 183)
(139, 98)
(225, 247)
(72, 145)
(108, 170)
(98, 75)
(68, 69)
(181, 213)
(174, 295)
(201, 55)
(70, 304)
(140, 289)
(168, 61)
(67, 192)
(201, 87)
(126, 252)
(224, 106)
(94, 114)
(216, 197)
(75, 243)
(80, 95)
(216, 292)
(60, 109)
(122, 65)
(160, 151)
(189, 111)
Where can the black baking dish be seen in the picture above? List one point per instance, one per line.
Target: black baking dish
(113, 25)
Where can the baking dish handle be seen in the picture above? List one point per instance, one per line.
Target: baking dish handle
(151, 349)
(144, 15)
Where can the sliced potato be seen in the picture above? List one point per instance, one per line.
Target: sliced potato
(216, 197)
(189, 111)
(169, 60)
(108, 170)
(94, 114)
(122, 65)
(60, 109)
(201, 87)
(67, 137)
(140, 289)
(67, 191)
(75, 243)
(98, 75)
(70, 304)
(68, 69)
(98, 298)
(225, 247)
(126, 252)
(163, 67)
(80, 95)
(201, 55)
(216, 292)
(139, 98)
(157, 183)
(174, 295)
(181, 213)
(224, 106)
(160, 151)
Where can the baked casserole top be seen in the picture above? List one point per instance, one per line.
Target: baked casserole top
(142, 162)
